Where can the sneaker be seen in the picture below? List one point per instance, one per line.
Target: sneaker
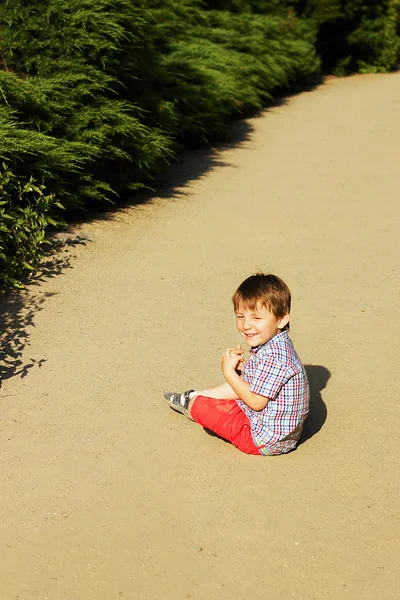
(179, 402)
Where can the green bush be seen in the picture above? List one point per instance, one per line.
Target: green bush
(69, 64)
(355, 35)
(25, 214)
(97, 97)
(229, 64)
(111, 87)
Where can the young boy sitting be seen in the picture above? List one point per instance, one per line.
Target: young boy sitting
(263, 403)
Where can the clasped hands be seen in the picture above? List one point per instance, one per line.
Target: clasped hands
(232, 360)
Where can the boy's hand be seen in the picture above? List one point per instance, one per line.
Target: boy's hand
(239, 351)
(232, 359)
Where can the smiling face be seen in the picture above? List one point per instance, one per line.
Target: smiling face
(258, 325)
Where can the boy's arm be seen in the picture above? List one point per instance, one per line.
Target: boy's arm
(224, 391)
(240, 387)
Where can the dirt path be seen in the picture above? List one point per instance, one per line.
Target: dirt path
(106, 493)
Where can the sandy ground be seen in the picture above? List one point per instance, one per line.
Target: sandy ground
(108, 494)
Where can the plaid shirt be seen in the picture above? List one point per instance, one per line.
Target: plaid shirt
(275, 371)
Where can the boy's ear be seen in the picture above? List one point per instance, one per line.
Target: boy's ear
(283, 322)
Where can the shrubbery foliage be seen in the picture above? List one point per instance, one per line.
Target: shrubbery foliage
(25, 213)
(97, 96)
(353, 35)
(356, 35)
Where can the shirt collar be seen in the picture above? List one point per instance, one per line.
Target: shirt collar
(283, 335)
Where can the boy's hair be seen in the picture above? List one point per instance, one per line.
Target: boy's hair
(265, 290)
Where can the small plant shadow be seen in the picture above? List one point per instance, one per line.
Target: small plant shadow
(18, 307)
(16, 318)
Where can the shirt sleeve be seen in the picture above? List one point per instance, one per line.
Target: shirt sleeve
(268, 378)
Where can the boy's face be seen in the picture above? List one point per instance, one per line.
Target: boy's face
(258, 326)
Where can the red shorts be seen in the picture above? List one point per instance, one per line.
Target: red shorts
(226, 419)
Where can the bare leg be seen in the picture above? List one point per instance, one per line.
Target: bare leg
(220, 392)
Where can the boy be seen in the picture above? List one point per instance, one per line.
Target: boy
(263, 403)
